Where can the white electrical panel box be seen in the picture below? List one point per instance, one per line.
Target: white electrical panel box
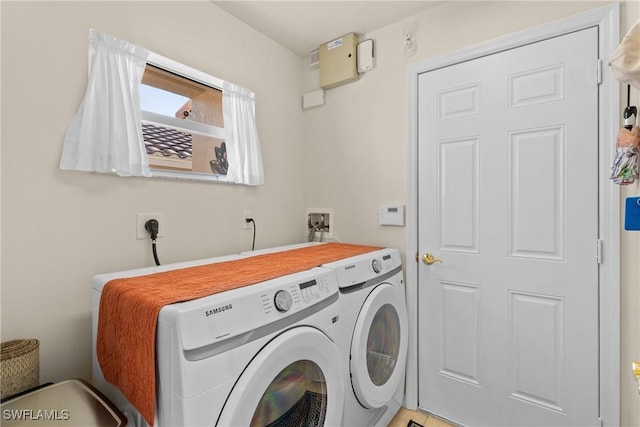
(338, 61)
(391, 215)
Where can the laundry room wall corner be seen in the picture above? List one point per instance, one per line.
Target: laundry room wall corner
(60, 228)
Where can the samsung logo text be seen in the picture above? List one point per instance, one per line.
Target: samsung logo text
(217, 310)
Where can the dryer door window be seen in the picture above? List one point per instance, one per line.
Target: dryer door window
(297, 396)
(383, 344)
(379, 346)
(294, 380)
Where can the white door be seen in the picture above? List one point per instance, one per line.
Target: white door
(508, 200)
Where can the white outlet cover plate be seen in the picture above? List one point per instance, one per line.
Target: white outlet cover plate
(142, 218)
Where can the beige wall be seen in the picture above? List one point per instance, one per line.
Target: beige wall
(59, 228)
(358, 140)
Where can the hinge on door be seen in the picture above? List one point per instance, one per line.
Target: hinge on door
(599, 251)
(599, 71)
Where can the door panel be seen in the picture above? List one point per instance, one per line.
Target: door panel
(460, 338)
(508, 199)
(536, 193)
(537, 321)
(458, 195)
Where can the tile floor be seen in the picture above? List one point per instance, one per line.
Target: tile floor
(403, 416)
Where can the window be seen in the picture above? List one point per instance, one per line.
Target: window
(147, 115)
(182, 121)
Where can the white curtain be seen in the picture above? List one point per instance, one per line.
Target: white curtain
(241, 136)
(106, 133)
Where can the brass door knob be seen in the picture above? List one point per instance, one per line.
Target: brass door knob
(430, 259)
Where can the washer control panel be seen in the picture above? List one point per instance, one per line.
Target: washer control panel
(283, 300)
(221, 316)
(376, 265)
(296, 295)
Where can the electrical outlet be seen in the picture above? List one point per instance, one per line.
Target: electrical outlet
(142, 218)
(245, 215)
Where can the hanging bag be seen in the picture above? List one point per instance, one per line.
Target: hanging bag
(625, 63)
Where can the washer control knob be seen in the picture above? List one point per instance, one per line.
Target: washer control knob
(377, 265)
(282, 301)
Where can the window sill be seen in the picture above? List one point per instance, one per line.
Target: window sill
(190, 176)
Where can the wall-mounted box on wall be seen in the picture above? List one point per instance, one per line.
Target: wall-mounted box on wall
(366, 56)
(338, 61)
(319, 224)
(313, 99)
(391, 215)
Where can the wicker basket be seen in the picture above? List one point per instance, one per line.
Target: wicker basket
(20, 366)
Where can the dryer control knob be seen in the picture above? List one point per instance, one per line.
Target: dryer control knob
(377, 265)
(282, 300)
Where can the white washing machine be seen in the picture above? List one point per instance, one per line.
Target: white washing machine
(372, 295)
(261, 355)
(98, 282)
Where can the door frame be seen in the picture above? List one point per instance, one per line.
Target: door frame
(607, 20)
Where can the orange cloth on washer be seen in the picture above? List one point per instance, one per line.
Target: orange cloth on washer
(129, 309)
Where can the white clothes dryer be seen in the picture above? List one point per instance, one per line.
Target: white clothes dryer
(374, 314)
(281, 248)
(260, 355)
